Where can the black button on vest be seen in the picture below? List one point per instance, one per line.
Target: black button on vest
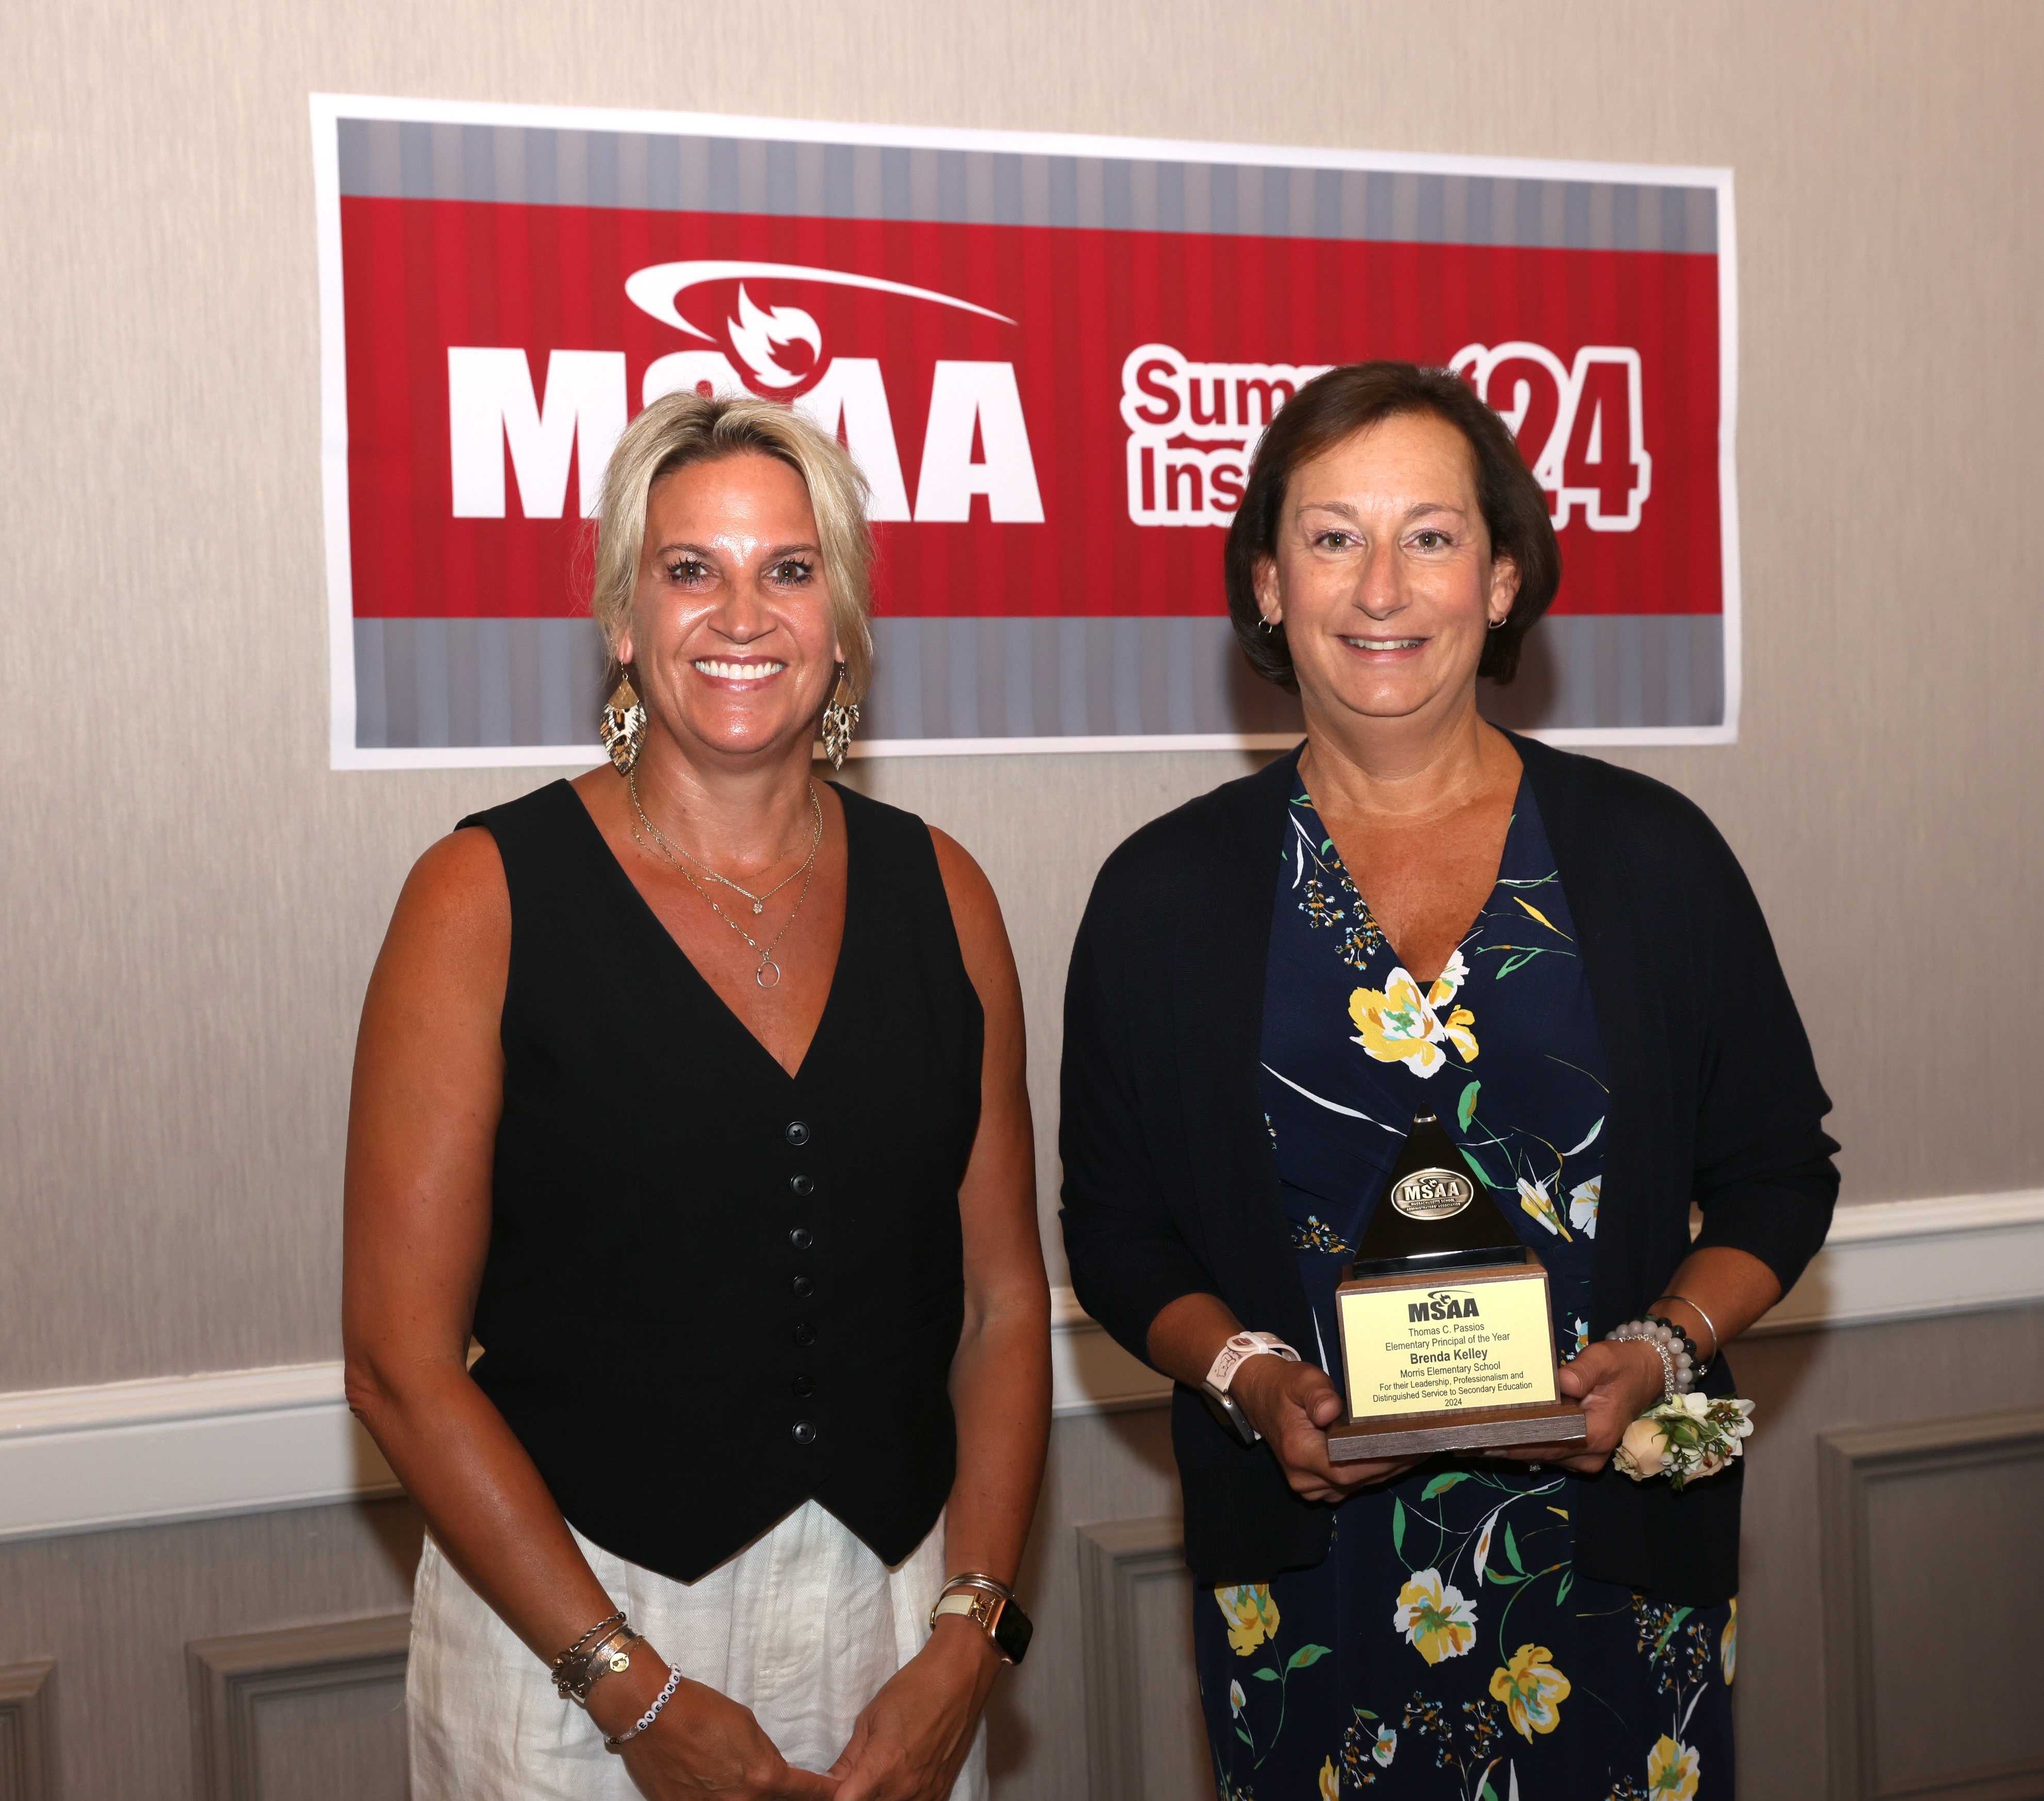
(651, 1160)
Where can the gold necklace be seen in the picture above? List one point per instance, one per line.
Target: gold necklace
(667, 852)
(672, 850)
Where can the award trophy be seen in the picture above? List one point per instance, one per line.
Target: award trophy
(1447, 1336)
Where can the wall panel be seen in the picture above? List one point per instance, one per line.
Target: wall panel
(1145, 1736)
(309, 1713)
(116, 1610)
(1917, 1704)
(28, 1731)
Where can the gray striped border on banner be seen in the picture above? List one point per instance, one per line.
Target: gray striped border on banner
(543, 166)
(435, 683)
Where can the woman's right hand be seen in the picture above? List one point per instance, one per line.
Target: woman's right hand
(704, 1747)
(1292, 1405)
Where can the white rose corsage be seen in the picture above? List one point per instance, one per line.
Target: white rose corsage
(1684, 1438)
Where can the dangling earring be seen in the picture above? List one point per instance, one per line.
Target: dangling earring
(840, 720)
(624, 725)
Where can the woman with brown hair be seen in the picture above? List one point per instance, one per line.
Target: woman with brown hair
(1417, 919)
(692, 1090)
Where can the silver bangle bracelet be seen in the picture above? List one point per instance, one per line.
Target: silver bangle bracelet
(1676, 1374)
(1717, 1338)
(653, 1713)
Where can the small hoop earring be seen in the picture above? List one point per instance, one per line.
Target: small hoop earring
(1267, 622)
(624, 725)
(840, 720)
(1496, 623)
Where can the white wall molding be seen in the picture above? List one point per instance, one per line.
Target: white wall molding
(1905, 1259)
(197, 1447)
(181, 1447)
(1089, 1372)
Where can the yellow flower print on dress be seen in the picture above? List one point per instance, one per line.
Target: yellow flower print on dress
(1437, 1622)
(1671, 1771)
(1253, 1615)
(1330, 1781)
(1532, 1691)
(1728, 1643)
(1533, 1199)
(1398, 1024)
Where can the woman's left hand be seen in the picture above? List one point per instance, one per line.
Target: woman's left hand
(912, 1739)
(1616, 1383)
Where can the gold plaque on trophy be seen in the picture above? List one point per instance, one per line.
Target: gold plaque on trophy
(1447, 1337)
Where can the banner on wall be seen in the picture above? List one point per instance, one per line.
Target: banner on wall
(1051, 356)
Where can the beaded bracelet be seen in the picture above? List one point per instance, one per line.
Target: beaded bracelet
(1677, 1370)
(653, 1713)
(1688, 1344)
(1717, 1340)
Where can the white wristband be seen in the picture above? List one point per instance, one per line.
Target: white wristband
(1238, 1350)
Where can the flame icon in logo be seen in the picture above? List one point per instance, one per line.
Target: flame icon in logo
(757, 333)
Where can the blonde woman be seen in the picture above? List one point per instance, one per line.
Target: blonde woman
(693, 1090)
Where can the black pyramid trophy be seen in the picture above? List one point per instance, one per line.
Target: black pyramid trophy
(1447, 1335)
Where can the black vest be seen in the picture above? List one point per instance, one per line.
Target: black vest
(715, 1290)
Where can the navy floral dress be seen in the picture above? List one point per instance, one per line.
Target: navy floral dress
(1447, 1647)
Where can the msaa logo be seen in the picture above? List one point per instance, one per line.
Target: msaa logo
(493, 406)
(1441, 1305)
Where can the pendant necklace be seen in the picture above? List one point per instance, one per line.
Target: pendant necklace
(672, 851)
(675, 856)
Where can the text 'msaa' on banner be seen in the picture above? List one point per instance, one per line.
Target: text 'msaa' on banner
(1052, 357)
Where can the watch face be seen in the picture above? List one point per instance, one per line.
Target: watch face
(1228, 1411)
(1011, 1632)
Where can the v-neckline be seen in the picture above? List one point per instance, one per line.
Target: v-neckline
(644, 908)
(1483, 907)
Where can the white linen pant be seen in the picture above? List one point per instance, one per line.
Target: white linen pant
(803, 1627)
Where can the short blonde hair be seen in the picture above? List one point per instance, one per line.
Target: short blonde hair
(681, 429)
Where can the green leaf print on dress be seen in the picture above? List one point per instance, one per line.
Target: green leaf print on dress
(1253, 1622)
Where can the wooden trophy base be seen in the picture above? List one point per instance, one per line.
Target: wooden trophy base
(1454, 1360)
(1558, 1422)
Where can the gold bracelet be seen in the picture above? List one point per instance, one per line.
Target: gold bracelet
(602, 1626)
(610, 1655)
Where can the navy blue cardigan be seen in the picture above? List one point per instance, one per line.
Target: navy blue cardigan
(1171, 1188)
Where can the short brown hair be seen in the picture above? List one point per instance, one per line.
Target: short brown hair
(1350, 399)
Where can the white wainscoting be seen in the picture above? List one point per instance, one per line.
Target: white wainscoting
(195, 1447)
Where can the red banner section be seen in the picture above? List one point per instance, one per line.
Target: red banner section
(1051, 419)
(1052, 357)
